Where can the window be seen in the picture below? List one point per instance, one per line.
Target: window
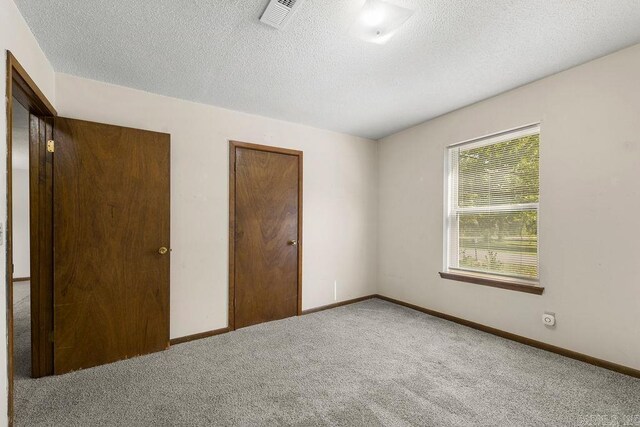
(492, 203)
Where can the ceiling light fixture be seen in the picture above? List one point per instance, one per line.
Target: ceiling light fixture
(378, 21)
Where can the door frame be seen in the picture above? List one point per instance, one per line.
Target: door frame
(233, 145)
(21, 86)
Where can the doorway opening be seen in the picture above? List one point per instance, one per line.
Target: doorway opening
(21, 276)
(29, 252)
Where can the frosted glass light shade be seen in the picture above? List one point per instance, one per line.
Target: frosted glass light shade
(378, 21)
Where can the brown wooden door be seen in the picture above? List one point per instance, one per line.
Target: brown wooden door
(267, 240)
(111, 217)
(41, 244)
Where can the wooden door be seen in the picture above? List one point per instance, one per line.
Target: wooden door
(41, 244)
(111, 217)
(266, 198)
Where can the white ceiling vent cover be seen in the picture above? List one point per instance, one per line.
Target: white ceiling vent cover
(278, 12)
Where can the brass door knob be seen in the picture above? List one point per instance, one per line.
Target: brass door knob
(163, 250)
(293, 242)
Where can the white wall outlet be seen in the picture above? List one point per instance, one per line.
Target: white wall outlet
(549, 319)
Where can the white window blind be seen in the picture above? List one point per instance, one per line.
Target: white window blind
(493, 195)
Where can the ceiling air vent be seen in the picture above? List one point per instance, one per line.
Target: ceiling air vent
(278, 12)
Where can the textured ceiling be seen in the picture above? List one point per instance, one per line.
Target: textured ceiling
(451, 53)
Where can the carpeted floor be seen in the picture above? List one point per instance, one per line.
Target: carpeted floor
(367, 364)
(21, 330)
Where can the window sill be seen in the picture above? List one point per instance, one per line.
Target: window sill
(502, 284)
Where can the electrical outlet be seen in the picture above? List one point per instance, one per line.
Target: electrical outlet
(549, 319)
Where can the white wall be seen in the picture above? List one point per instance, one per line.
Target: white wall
(590, 163)
(20, 183)
(16, 37)
(590, 199)
(340, 196)
(21, 238)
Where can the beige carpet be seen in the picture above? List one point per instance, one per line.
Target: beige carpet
(367, 364)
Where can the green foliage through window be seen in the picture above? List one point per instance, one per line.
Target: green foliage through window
(494, 195)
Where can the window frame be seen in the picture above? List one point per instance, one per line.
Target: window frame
(504, 281)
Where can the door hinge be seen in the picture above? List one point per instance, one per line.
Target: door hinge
(51, 146)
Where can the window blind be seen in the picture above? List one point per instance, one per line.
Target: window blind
(493, 205)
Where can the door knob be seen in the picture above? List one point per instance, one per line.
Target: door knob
(293, 242)
(163, 250)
